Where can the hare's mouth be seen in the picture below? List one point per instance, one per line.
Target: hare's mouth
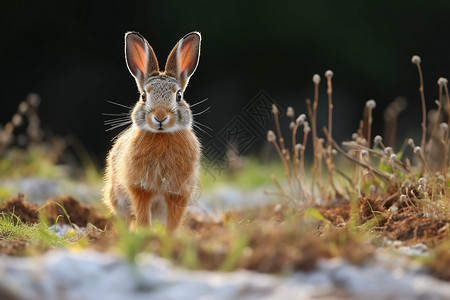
(160, 122)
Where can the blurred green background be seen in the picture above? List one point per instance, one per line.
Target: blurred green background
(71, 53)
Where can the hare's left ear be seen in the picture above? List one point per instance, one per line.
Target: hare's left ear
(183, 59)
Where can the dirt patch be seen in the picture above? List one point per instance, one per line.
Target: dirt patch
(410, 225)
(15, 247)
(370, 208)
(26, 212)
(79, 213)
(268, 243)
(337, 214)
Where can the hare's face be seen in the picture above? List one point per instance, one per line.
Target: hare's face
(161, 107)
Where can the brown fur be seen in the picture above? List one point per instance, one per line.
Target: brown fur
(134, 159)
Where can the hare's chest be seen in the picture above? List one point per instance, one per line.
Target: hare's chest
(164, 173)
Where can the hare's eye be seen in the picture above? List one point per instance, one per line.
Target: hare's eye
(144, 96)
(179, 96)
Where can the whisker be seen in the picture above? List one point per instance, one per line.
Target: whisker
(198, 123)
(118, 120)
(118, 104)
(117, 135)
(115, 115)
(199, 102)
(199, 128)
(116, 123)
(119, 125)
(202, 112)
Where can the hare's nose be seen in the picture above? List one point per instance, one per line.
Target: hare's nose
(157, 121)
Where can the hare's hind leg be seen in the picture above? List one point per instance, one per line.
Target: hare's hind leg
(176, 204)
(140, 203)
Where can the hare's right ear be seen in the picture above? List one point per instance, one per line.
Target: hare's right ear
(183, 60)
(140, 58)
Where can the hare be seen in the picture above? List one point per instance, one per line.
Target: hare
(152, 167)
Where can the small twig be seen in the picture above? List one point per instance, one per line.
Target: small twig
(416, 60)
(353, 144)
(379, 173)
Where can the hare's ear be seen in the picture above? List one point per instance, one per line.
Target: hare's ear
(183, 59)
(140, 58)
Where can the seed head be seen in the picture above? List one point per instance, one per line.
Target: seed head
(34, 99)
(388, 151)
(301, 119)
(371, 104)
(290, 112)
(9, 128)
(378, 139)
(393, 208)
(422, 180)
(416, 59)
(271, 137)
(403, 198)
(393, 157)
(274, 109)
(364, 153)
(417, 150)
(442, 81)
(443, 126)
(329, 74)
(316, 79)
(407, 183)
(334, 152)
(299, 147)
(23, 107)
(410, 142)
(17, 120)
(306, 127)
(354, 136)
(291, 125)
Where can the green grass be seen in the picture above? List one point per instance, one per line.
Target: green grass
(253, 174)
(18, 163)
(11, 227)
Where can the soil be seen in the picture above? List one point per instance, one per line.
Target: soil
(408, 224)
(79, 213)
(27, 212)
(15, 247)
(413, 226)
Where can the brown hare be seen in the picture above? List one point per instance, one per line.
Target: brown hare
(152, 167)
